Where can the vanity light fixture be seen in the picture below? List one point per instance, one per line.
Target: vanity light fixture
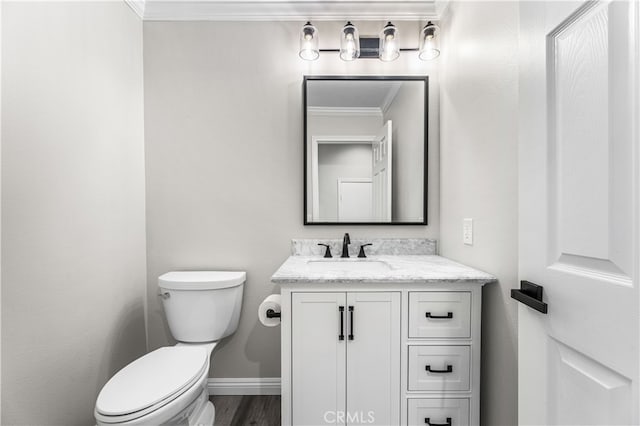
(389, 49)
(384, 47)
(309, 43)
(349, 43)
(429, 42)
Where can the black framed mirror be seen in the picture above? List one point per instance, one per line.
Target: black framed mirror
(365, 150)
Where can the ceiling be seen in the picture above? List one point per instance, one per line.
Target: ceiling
(281, 10)
(351, 94)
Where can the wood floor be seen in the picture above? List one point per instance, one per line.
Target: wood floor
(245, 410)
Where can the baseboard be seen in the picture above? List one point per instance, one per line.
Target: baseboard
(244, 386)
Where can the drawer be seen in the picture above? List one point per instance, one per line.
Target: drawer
(445, 411)
(440, 314)
(439, 368)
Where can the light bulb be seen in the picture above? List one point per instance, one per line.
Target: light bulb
(309, 43)
(349, 43)
(389, 49)
(429, 42)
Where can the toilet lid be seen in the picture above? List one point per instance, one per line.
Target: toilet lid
(201, 280)
(151, 379)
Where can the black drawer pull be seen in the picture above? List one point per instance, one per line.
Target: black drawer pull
(431, 370)
(351, 329)
(341, 335)
(428, 421)
(449, 315)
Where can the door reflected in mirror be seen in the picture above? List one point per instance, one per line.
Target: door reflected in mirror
(365, 150)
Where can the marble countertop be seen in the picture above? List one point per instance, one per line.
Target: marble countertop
(385, 269)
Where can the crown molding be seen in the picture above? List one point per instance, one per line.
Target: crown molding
(388, 100)
(344, 111)
(280, 10)
(137, 6)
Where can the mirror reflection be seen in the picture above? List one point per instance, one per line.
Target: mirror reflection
(365, 148)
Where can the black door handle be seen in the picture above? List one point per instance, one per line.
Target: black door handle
(341, 335)
(428, 421)
(531, 295)
(430, 315)
(431, 370)
(351, 321)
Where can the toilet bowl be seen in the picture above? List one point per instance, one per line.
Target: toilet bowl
(169, 385)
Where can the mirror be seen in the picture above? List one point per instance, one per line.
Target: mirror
(365, 150)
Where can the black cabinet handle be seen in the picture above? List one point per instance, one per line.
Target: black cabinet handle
(431, 370)
(341, 335)
(430, 315)
(351, 321)
(531, 295)
(430, 423)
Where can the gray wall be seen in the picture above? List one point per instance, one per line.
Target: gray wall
(73, 258)
(479, 105)
(223, 122)
(406, 112)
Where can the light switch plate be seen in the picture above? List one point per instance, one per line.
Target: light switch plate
(467, 231)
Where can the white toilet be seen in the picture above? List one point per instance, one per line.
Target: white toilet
(169, 385)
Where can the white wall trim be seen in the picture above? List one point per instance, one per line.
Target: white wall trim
(388, 100)
(137, 6)
(278, 10)
(315, 178)
(344, 111)
(244, 386)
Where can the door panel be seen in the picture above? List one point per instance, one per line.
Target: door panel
(354, 200)
(576, 378)
(318, 358)
(373, 357)
(382, 149)
(579, 212)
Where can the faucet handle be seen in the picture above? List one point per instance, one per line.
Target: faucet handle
(327, 252)
(362, 246)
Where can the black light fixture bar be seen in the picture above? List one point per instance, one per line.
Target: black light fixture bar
(370, 48)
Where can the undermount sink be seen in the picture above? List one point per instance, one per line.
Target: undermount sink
(348, 265)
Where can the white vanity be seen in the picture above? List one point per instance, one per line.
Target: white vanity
(393, 339)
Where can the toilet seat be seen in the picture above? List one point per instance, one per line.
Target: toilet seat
(151, 382)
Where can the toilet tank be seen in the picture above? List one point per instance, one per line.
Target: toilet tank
(202, 306)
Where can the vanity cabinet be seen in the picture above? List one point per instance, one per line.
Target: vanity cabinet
(345, 358)
(414, 358)
(414, 355)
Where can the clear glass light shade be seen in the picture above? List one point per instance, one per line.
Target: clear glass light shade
(429, 42)
(309, 43)
(389, 48)
(349, 43)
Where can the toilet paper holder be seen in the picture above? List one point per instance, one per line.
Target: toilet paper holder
(272, 314)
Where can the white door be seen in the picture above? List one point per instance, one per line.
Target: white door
(373, 358)
(381, 174)
(354, 200)
(579, 220)
(318, 377)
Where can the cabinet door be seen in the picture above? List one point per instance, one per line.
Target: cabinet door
(373, 358)
(318, 358)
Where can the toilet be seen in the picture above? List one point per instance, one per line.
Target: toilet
(169, 385)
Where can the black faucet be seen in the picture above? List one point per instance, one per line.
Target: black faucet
(345, 245)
